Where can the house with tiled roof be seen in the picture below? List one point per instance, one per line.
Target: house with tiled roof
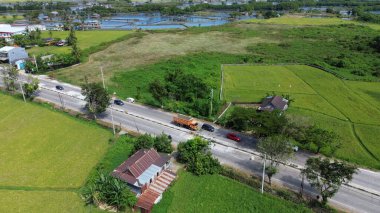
(148, 175)
(271, 103)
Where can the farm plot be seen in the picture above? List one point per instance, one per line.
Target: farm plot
(252, 83)
(43, 148)
(42, 201)
(341, 106)
(215, 193)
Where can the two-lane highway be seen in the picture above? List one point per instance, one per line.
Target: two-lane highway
(361, 197)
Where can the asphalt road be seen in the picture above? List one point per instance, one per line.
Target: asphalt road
(361, 195)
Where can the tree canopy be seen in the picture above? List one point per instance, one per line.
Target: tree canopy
(96, 97)
(327, 176)
(195, 153)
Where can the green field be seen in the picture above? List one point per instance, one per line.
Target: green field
(304, 21)
(42, 201)
(86, 40)
(214, 193)
(342, 106)
(5, 18)
(46, 157)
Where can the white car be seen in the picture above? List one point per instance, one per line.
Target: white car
(130, 100)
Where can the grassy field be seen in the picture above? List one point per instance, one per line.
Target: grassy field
(5, 18)
(304, 21)
(46, 157)
(42, 201)
(45, 148)
(86, 39)
(214, 193)
(342, 106)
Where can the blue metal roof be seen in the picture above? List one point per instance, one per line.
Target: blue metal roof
(148, 174)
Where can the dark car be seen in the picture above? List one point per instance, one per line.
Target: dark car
(118, 102)
(208, 127)
(59, 87)
(233, 137)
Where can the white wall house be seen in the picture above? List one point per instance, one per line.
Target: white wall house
(10, 54)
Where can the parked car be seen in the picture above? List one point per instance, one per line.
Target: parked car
(233, 137)
(59, 87)
(118, 102)
(130, 100)
(60, 43)
(295, 148)
(208, 127)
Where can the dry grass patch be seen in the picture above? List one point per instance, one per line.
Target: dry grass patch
(153, 47)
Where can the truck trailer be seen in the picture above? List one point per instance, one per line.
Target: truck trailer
(185, 121)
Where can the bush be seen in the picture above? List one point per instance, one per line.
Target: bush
(358, 73)
(163, 143)
(145, 141)
(111, 191)
(197, 157)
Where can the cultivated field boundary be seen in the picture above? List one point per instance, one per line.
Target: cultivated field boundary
(340, 77)
(286, 64)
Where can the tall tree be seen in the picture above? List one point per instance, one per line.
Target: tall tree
(327, 176)
(75, 51)
(72, 39)
(277, 149)
(96, 97)
(10, 74)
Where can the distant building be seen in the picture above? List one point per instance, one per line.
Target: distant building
(8, 30)
(271, 103)
(10, 54)
(147, 174)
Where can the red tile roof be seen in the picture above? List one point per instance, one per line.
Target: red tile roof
(135, 165)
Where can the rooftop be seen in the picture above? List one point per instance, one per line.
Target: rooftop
(6, 48)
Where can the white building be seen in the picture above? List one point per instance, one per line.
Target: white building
(7, 30)
(10, 54)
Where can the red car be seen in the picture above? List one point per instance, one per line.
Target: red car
(233, 137)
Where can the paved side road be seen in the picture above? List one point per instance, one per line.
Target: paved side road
(148, 120)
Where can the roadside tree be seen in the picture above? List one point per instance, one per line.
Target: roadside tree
(96, 97)
(30, 88)
(195, 153)
(145, 141)
(327, 176)
(276, 149)
(322, 138)
(10, 78)
(163, 143)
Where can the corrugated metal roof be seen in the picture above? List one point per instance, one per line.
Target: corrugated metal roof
(148, 174)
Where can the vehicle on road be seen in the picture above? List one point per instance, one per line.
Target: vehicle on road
(118, 102)
(130, 100)
(233, 137)
(59, 87)
(185, 121)
(208, 127)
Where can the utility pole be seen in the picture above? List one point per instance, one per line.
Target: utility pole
(61, 100)
(101, 71)
(114, 94)
(22, 91)
(35, 62)
(262, 180)
(211, 99)
(113, 124)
